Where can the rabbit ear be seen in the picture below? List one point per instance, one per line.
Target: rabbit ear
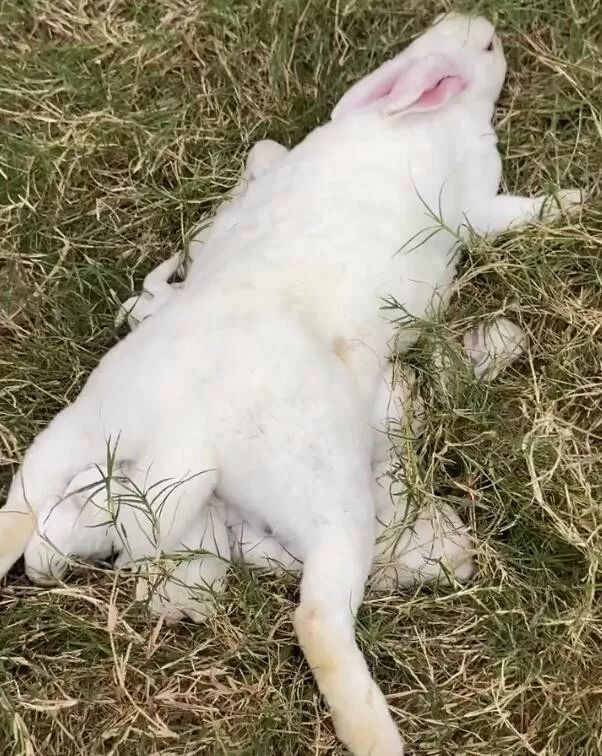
(405, 86)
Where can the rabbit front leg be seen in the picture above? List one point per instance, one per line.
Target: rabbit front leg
(260, 159)
(156, 289)
(506, 211)
(493, 347)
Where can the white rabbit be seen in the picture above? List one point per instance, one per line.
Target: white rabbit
(433, 545)
(268, 399)
(434, 550)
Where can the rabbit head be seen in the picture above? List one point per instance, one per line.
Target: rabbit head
(458, 59)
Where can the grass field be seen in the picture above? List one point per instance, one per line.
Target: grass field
(121, 122)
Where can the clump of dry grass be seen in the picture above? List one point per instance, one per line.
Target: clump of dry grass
(120, 124)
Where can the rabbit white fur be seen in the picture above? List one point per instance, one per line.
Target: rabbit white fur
(432, 546)
(267, 400)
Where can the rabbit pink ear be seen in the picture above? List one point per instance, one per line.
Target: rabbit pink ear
(402, 86)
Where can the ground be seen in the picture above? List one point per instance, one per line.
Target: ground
(121, 122)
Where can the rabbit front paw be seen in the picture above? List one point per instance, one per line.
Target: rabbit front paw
(565, 202)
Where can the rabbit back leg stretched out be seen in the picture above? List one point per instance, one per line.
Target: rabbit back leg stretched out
(305, 470)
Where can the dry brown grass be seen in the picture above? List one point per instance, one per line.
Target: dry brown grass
(120, 123)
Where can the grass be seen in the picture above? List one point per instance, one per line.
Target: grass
(121, 123)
